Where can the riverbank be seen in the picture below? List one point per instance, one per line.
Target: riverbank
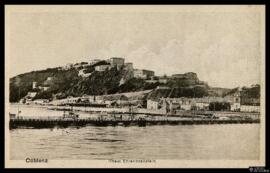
(63, 123)
(32, 116)
(127, 110)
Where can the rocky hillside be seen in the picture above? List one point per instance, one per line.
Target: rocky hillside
(68, 83)
(62, 82)
(196, 91)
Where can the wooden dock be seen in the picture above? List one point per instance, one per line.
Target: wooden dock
(63, 123)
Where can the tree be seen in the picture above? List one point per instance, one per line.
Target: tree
(219, 106)
(43, 95)
(252, 92)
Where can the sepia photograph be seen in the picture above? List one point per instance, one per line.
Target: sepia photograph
(134, 86)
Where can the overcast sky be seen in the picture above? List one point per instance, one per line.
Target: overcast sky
(223, 46)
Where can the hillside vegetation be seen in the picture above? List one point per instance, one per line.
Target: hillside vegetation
(178, 92)
(67, 82)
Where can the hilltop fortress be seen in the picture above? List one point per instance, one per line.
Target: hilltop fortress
(114, 82)
(102, 65)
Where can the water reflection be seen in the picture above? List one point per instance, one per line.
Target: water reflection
(152, 142)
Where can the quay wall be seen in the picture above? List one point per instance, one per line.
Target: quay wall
(116, 110)
(155, 112)
(90, 109)
(37, 123)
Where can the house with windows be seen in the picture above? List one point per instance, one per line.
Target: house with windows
(250, 105)
(143, 74)
(101, 68)
(117, 62)
(128, 66)
(152, 104)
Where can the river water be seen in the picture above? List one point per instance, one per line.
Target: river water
(227, 141)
